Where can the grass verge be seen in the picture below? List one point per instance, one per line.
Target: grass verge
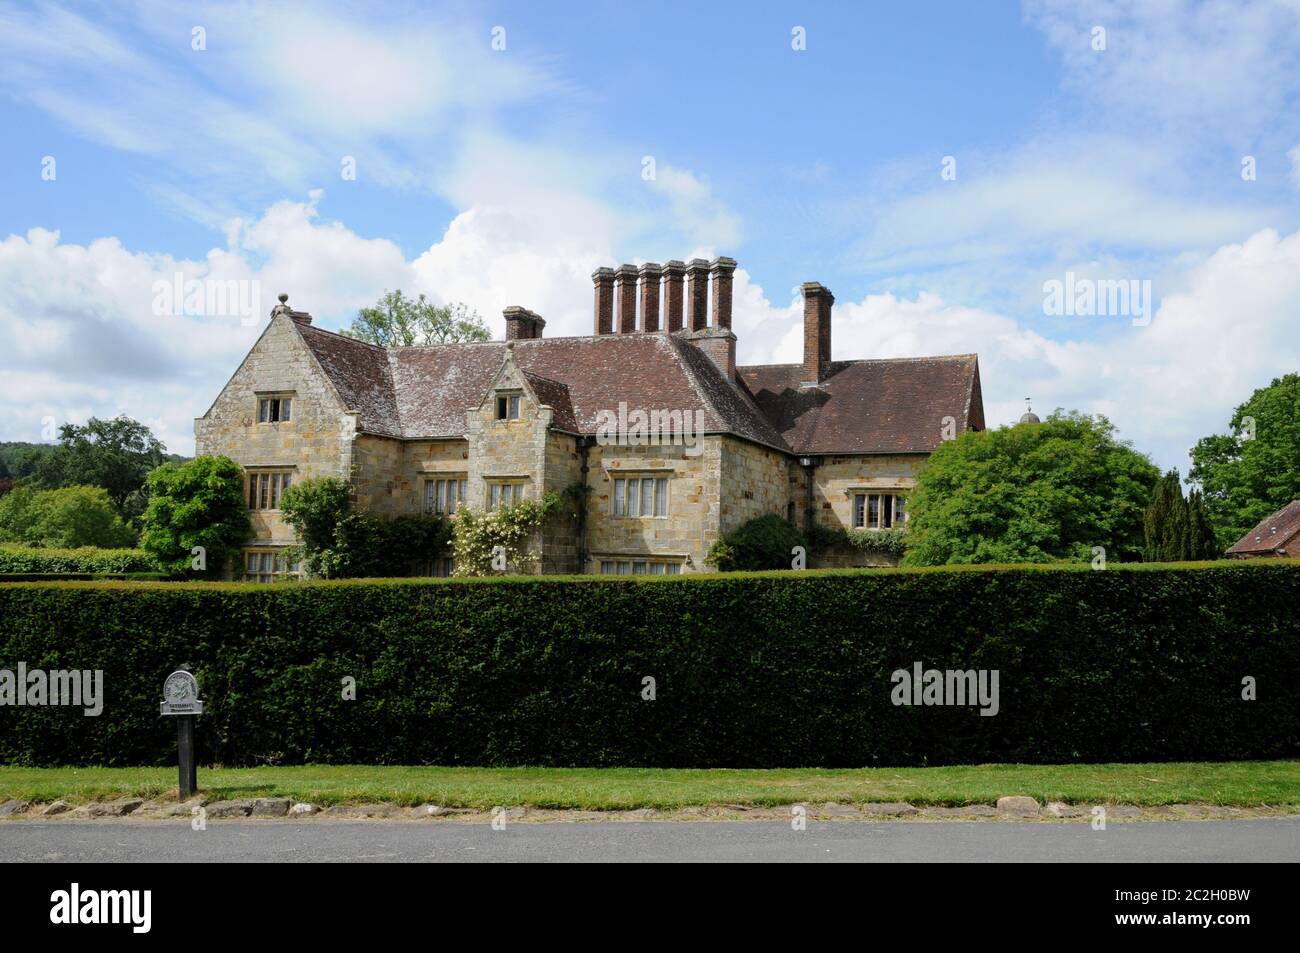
(1235, 784)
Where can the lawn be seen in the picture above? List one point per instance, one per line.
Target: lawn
(1239, 783)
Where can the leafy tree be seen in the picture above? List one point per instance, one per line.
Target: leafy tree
(65, 518)
(1255, 470)
(116, 454)
(1031, 493)
(1204, 541)
(398, 321)
(338, 543)
(764, 542)
(1158, 522)
(197, 503)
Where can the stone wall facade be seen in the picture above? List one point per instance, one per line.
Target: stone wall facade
(714, 487)
(316, 441)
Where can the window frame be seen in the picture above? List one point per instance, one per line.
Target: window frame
(276, 407)
(272, 565)
(509, 405)
(629, 503)
(437, 489)
(649, 565)
(495, 491)
(264, 487)
(883, 507)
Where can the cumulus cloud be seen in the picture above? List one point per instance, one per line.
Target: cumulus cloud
(1228, 330)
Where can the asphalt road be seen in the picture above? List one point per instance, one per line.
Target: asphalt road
(1263, 840)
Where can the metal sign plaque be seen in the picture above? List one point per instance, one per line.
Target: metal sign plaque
(181, 695)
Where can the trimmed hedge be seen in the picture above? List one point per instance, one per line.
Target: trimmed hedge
(754, 670)
(86, 560)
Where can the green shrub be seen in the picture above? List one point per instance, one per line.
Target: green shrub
(66, 518)
(1141, 663)
(338, 543)
(891, 542)
(87, 560)
(765, 542)
(199, 503)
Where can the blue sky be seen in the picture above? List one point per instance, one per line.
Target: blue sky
(503, 176)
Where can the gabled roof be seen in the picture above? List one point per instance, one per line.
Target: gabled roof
(881, 406)
(425, 392)
(1272, 533)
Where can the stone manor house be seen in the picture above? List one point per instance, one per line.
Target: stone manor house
(830, 443)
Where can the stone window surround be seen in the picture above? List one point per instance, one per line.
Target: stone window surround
(521, 480)
(279, 565)
(641, 474)
(430, 478)
(680, 560)
(251, 473)
(854, 492)
(276, 395)
(514, 398)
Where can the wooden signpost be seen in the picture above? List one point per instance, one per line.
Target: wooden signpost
(181, 699)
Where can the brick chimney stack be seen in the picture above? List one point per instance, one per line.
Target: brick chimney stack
(674, 273)
(603, 279)
(697, 293)
(722, 269)
(625, 285)
(719, 345)
(650, 273)
(817, 302)
(522, 324)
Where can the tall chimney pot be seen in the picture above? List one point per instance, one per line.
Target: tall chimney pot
(722, 269)
(674, 275)
(603, 279)
(650, 273)
(817, 302)
(697, 293)
(625, 285)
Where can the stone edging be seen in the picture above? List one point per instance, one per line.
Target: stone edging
(1010, 808)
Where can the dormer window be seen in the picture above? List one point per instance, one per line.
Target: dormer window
(274, 408)
(507, 406)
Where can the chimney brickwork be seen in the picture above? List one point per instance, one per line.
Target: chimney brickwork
(817, 302)
(650, 273)
(625, 285)
(603, 279)
(522, 324)
(674, 276)
(722, 269)
(697, 293)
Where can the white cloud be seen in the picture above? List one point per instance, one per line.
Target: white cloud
(1224, 70)
(1230, 330)
(695, 210)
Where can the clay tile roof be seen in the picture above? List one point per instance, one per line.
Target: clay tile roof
(555, 395)
(880, 406)
(863, 406)
(1273, 533)
(360, 373)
